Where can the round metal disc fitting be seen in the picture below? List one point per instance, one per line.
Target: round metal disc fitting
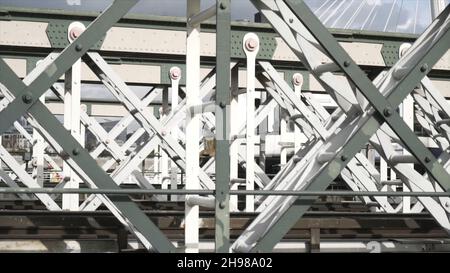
(175, 73)
(251, 44)
(297, 79)
(75, 33)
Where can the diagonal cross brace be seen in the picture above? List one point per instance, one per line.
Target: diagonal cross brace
(368, 89)
(92, 202)
(117, 152)
(154, 127)
(386, 111)
(370, 178)
(52, 130)
(26, 96)
(361, 128)
(86, 167)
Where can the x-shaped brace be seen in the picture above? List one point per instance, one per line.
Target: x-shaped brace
(27, 102)
(383, 100)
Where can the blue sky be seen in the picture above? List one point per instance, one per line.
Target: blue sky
(408, 16)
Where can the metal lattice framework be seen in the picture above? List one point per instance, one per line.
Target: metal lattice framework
(325, 146)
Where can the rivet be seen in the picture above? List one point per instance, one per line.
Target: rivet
(346, 63)
(297, 79)
(251, 44)
(175, 73)
(222, 104)
(344, 158)
(76, 151)
(223, 5)
(387, 112)
(78, 47)
(75, 33)
(427, 159)
(27, 98)
(222, 204)
(424, 68)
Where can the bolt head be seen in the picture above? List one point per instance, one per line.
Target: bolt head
(27, 98)
(223, 5)
(347, 63)
(75, 33)
(251, 44)
(387, 112)
(76, 151)
(222, 205)
(163, 133)
(297, 79)
(78, 47)
(344, 158)
(427, 159)
(424, 68)
(222, 104)
(175, 73)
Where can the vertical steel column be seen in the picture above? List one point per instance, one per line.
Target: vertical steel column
(250, 46)
(383, 176)
(223, 40)
(191, 221)
(72, 100)
(297, 81)
(156, 166)
(72, 123)
(408, 116)
(407, 113)
(234, 131)
(175, 76)
(38, 150)
(283, 137)
(263, 134)
(164, 160)
(38, 153)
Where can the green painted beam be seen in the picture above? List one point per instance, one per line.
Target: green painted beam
(356, 141)
(58, 20)
(27, 101)
(223, 98)
(76, 154)
(29, 95)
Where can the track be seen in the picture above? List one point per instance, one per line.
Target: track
(26, 220)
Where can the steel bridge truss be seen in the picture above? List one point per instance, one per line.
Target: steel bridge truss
(325, 145)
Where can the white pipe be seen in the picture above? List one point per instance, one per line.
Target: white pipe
(202, 201)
